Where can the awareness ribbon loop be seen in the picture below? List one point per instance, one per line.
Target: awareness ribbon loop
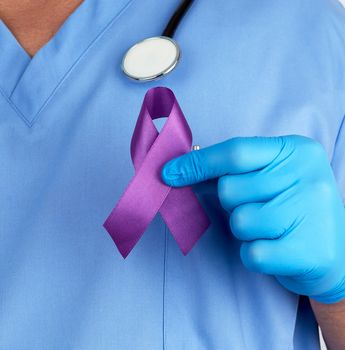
(146, 194)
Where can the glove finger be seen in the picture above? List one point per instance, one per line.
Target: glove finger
(254, 187)
(234, 156)
(274, 257)
(271, 220)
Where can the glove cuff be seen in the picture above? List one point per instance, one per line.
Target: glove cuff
(332, 297)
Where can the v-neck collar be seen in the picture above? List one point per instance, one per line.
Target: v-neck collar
(29, 83)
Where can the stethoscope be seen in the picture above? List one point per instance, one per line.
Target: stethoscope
(154, 57)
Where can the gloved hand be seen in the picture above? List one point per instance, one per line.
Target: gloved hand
(284, 204)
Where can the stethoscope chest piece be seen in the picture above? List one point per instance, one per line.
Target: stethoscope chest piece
(151, 58)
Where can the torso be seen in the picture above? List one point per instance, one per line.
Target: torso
(66, 120)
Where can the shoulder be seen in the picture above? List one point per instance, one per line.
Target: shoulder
(298, 36)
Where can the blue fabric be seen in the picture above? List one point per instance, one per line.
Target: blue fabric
(66, 119)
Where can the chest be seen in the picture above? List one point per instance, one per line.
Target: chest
(62, 174)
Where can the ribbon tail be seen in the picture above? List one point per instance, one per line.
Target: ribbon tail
(135, 210)
(185, 217)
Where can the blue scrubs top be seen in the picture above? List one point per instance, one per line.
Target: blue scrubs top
(66, 121)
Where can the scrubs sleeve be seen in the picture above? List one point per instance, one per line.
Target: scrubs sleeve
(338, 160)
(336, 36)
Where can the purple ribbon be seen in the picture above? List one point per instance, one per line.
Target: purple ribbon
(146, 194)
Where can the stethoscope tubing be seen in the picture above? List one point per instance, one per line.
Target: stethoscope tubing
(176, 18)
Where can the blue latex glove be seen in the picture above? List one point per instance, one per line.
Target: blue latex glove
(284, 204)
